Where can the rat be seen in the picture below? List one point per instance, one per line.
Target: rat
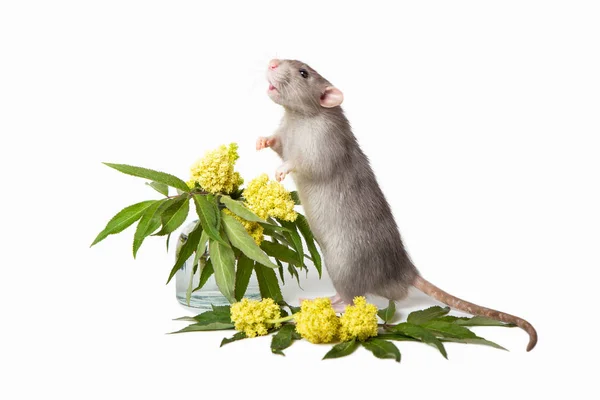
(344, 205)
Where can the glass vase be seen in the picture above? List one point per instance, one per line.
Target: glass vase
(209, 294)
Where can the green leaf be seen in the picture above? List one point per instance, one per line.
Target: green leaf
(283, 339)
(208, 317)
(206, 273)
(420, 317)
(418, 332)
(449, 330)
(382, 349)
(174, 215)
(309, 238)
(271, 228)
(236, 337)
(156, 176)
(213, 326)
(240, 238)
(281, 252)
(396, 336)
(245, 266)
(476, 340)
(149, 222)
(208, 212)
(295, 197)
(293, 237)
(223, 261)
(239, 209)
(188, 292)
(159, 187)
(124, 219)
(268, 283)
(387, 314)
(186, 251)
(342, 349)
(201, 249)
(294, 273)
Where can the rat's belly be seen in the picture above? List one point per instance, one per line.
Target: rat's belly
(327, 215)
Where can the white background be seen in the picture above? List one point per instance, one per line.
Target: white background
(481, 120)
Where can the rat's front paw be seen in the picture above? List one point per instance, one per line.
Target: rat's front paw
(282, 171)
(262, 143)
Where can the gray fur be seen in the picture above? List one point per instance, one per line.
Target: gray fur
(344, 205)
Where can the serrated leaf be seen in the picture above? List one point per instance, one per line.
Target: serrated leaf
(387, 314)
(201, 249)
(418, 332)
(174, 216)
(156, 176)
(295, 198)
(294, 238)
(245, 266)
(159, 187)
(268, 283)
(223, 262)
(206, 273)
(422, 316)
(382, 349)
(208, 212)
(208, 317)
(280, 252)
(188, 292)
(342, 349)
(236, 337)
(448, 329)
(186, 251)
(309, 238)
(240, 239)
(476, 340)
(213, 326)
(149, 222)
(283, 339)
(239, 209)
(396, 336)
(123, 219)
(294, 273)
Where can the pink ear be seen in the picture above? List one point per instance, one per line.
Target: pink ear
(332, 97)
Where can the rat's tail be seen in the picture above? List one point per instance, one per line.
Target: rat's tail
(462, 305)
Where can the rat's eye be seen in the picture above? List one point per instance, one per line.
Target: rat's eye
(304, 73)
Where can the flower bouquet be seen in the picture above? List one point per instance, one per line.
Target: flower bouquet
(229, 239)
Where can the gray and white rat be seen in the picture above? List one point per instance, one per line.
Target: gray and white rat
(344, 205)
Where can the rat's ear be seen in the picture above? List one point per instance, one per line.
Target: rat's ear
(331, 97)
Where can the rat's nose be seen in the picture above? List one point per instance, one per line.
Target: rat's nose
(274, 63)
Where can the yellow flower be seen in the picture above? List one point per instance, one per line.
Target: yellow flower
(359, 321)
(250, 316)
(269, 199)
(253, 228)
(214, 172)
(317, 321)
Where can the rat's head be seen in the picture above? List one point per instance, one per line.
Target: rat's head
(298, 87)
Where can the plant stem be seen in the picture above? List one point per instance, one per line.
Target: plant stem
(284, 319)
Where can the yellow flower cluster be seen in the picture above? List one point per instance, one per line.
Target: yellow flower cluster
(359, 321)
(251, 316)
(268, 198)
(214, 172)
(317, 321)
(253, 228)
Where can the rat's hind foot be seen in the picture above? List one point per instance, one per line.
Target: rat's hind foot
(338, 304)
